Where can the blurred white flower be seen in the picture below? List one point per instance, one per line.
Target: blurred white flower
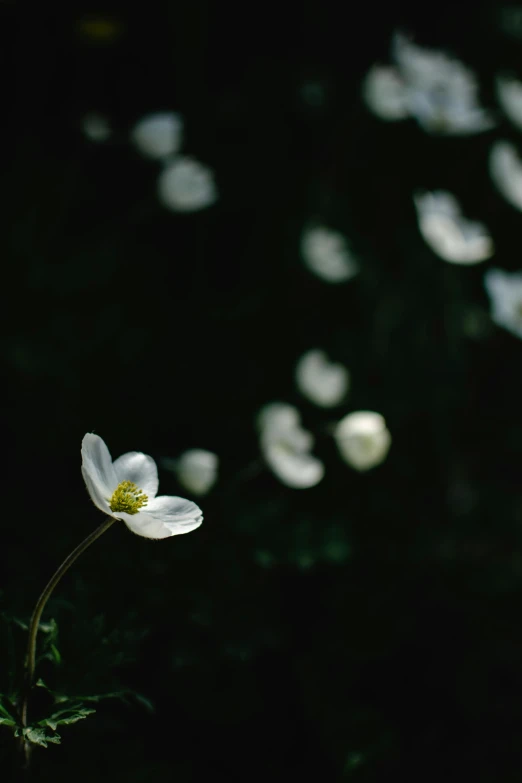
(505, 291)
(126, 489)
(277, 416)
(185, 185)
(96, 127)
(505, 167)
(322, 381)
(442, 91)
(448, 233)
(363, 439)
(195, 469)
(385, 93)
(326, 254)
(158, 135)
(439, 91)
(286, 446)
(509, 91)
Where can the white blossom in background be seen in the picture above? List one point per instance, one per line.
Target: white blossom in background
(384, 92)
(286, 446)
(96, 127)
(450, 235)
(158, 135)
(505, 292)
(126, 489)
(323, 382)
(509, 91)
(440, 92)
(326, 253)
(505, 167)
(195, 469)
(185, 185)
(363, 439)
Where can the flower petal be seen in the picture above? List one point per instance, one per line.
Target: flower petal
(158, 135)
(185, 185)
(98, 497)
(197, 470)
(165, 516)
(325, 383)
(139, 468)
(295, 469)
(363, 439)
(97, 470)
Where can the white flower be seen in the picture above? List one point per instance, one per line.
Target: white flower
(96, 127)
(448, 233)
(505, 291)
(439, 91)
(196, 470)
(509, 91)
(286, 447)
(322, 381)
(185, 185)
(505, 167)
(126, 489)
(158, 135)
(363, 439)
(442, 92)
(325, 252)
(385, 93)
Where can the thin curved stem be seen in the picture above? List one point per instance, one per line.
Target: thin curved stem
(40, 605)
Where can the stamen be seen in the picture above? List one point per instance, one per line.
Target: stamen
(128, 497)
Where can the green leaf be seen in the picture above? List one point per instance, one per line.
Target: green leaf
(66, 717)
(125, 696)
(38, 736)
(8, 712)
(7, 722)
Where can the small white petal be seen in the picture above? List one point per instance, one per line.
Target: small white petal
(509, 91)
(322, 381)
(286, 446)
(96, 127)
(140, 469)
(97, 470)
(385, 94)
(505, 292)
(295, 469)
(451, 236)
(276, 417)
(163, 517)
(326, 254)
(158, 135)
(185, 185)
(98, 496)
(363, 439)
(505, 166)
(197, 469)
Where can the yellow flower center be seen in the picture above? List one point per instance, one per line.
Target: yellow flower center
(128, 497)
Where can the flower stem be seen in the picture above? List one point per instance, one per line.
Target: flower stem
(40, 605)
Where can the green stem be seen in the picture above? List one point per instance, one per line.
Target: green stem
(40, 605)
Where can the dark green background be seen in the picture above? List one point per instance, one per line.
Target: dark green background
(366, 629)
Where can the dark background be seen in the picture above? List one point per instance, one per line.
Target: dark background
(370, 627)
